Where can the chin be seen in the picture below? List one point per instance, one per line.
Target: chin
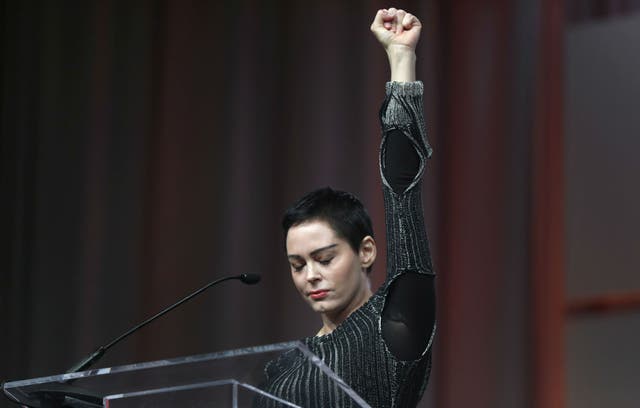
(322, 307)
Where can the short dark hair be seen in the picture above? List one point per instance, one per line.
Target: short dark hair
(343, 211)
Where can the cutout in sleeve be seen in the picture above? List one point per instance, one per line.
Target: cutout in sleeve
(401, 161)
(409, 315)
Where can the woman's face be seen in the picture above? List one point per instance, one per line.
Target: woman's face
(329, 275)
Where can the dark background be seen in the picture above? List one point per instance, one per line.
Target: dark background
(149, 147)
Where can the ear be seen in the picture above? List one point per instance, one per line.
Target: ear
(368, 251)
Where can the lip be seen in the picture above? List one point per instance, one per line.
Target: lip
(319, 294)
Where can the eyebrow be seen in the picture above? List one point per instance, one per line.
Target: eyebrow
(315, 251)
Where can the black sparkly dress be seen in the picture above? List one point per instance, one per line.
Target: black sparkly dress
(383, 349)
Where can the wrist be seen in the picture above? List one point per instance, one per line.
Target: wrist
(400, 51)
(402, 61)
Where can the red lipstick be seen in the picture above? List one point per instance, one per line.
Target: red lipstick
(318, 294)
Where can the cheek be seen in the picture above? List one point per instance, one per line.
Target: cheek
(296, 280)
(347, 273)
(300, 282)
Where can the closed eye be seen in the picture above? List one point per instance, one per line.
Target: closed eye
(297, 268)
(325, 262)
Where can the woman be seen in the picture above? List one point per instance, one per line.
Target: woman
(378, 343)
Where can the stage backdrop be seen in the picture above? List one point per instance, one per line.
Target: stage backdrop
(149, 147)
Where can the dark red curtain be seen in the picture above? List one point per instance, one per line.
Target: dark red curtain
(150, 147)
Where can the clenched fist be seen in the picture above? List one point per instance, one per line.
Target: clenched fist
(396, 28)
(398, 32)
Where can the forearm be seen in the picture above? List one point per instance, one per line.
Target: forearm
(402, 62)
(404, 152)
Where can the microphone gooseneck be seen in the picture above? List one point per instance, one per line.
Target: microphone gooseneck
(248, 278)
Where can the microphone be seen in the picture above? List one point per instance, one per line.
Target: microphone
(250, 278)
(247, 278)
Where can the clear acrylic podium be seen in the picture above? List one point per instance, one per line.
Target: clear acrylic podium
(233, 378)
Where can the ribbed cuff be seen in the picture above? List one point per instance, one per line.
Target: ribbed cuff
(415, 88)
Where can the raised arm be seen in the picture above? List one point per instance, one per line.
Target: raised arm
(408, 317)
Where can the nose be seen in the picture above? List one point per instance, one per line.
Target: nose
(312, 273)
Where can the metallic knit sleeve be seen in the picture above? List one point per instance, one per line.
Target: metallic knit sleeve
(407, 246)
